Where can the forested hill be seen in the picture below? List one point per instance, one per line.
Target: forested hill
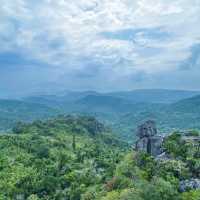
(155, 95)
(78, 158)
(188, 105)
(12, 111)
(122, 111)
(59, 159)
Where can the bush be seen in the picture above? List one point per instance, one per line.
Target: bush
(158, 189)
(175, 146)
(172, 168)
(130, 194)
(114, 195)
(192, 195)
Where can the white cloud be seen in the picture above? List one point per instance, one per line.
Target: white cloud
(65, 33)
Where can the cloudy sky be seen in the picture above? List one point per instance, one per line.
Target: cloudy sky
(104, 45)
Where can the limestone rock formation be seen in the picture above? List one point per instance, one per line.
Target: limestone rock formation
(147, 129)
(155, 145)
(149, 141)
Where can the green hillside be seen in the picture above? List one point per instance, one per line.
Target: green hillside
(12, 111)
(120, 113)
(188, 105)
(181, 115)
(78, 158)
(60, 158)
(155, 95)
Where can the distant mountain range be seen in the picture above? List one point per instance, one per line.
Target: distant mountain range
(155, 95)
(121, 110)
(144, 95)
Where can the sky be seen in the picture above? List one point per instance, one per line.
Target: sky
(55, 45)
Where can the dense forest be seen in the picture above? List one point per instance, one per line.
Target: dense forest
(79, 158)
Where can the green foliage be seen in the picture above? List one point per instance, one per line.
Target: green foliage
(192, 195)
(114, 195)
(146, 163)
(159, 189)
(128, 168)
(172, 170)
(140, 177)
(194, 133)
(130, 194)
(55, 160)
(13, 111)
(77, 158)
(187, 152)
(174, 145)
(122, 111)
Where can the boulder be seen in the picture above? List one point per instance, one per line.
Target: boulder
(148, 141)
(191, 184)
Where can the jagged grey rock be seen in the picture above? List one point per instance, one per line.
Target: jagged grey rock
(148, 129)
(152, 143)
(142, 144)
(155, 145)
(148, 141)
(191, 184)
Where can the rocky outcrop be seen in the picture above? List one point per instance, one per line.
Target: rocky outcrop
(191, 184)
(149, 141)
(148, 129)
(155, 145)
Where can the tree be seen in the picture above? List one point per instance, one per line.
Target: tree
(74, 142)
